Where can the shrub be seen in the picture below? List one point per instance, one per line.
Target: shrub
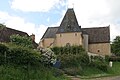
(57, 72)
(72, 56)
(23, 56)
(24, 41)
(99, 62)
(3, 51)
(48, 57)
(3, 48)
(68, 50)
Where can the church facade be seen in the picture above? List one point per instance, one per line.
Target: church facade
(94, 40)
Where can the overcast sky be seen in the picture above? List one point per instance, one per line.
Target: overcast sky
(34, 16)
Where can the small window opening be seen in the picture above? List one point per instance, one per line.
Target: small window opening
(60, 35)
(98, 50)
(75, 34)
(68, 44)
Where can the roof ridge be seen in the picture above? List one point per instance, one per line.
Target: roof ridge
(97, 27)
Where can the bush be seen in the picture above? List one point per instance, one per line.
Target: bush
(99, 62)
(24, 41)
(47, 56)
(72, 56)
(57, 72)
(3, 51)
(3, 48)
(68, 50)
(23, 56)
(71, 60)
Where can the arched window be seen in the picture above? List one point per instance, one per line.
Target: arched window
(68, 44)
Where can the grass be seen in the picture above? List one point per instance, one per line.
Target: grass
(19, 73)
(91, 72)
(115, 70)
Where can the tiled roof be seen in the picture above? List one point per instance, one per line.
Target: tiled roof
(98, 34)
(6, 32)
(50, 32)
(69, 23)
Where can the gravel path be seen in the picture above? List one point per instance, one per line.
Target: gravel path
(103, 78)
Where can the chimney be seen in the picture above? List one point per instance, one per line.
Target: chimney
(33, 37)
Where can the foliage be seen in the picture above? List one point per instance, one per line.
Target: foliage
(47, 56)
(22, 63)
(99, 62)
(72, 58)
(18, 55)
(23, 56)
(2, 26)
(10, 72)
(115, 46)
(21, 40)
(68, 50)
(3, 51)
(3, 48)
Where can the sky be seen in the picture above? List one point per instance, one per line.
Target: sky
(35, 16)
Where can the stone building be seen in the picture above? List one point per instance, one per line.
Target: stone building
(94, 40)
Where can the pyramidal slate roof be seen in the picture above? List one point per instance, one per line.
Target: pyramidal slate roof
(69, 22)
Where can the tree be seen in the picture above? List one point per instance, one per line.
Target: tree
(115, 46)
(21, 40)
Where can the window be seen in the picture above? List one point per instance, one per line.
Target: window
(60, 35)
(75, 34)
(68, 44)
(98, 50)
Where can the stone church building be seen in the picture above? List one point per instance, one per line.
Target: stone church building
(94, 40)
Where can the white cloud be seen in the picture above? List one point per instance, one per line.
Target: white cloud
(19, 23)
(93, 13)
(36, 5)
(40, 31)
(89, 13)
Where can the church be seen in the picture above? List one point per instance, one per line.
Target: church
(94, 40)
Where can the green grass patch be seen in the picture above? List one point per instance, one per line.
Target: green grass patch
(89, 71)
(33, 73)
(115, 70)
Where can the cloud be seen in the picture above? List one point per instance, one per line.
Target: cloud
(89, 13)
(93, 13)
(40, 31)
(21, 24)
(36, 5)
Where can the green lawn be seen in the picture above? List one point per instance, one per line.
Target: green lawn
(91, 72)
(19, 73)
(115, 70)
